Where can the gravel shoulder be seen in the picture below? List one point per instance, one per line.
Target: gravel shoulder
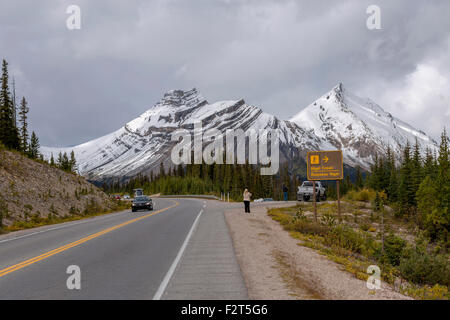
(276, 267)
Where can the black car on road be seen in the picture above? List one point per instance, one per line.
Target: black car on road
(142, 202)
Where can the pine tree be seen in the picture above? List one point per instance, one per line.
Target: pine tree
(429, 168)
(443, 177)
(392, 191)
(9, 135)
(375, 177)
(377, 202)
(174, 171)
(14, 103)
(227, 177)
(416, 169)
(441, 214)
(426, 197)
(72, 162)
(23, 111)
(391, 176)
(406, 195)
(33, 150)
(65, 162)
(180, 170)
(346, 185)
(52, 161)
(359, 178)
(60, 160)
(384, 175)
(162, 172)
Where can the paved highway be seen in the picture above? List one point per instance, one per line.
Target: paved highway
(121, 256)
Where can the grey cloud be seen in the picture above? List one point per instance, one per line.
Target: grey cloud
(279, 55)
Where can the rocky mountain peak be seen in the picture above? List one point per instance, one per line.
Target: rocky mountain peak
(337, 120)
(179, 98)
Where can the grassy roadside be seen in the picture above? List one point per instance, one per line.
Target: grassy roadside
(38, 221)
(355, 246)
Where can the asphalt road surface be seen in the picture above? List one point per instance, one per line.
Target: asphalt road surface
(121, 256)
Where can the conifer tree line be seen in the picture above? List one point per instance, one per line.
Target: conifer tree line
(64, 162)
(418, 187)
(214, 179)
(14, 134)
(217, 179)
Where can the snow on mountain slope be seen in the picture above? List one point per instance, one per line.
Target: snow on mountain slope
(144, 142)
(357, 126)
(338, 120)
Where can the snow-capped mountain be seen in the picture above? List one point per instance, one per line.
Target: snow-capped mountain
(359, 127)
(144, 142)
(338, 120)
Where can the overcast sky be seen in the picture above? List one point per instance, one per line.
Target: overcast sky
(278, 55)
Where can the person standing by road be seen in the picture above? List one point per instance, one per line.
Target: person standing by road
(286, 193)
(247, 196)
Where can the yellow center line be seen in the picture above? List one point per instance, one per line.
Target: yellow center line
(48, 254)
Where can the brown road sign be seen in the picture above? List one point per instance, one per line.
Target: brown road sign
(325, 165)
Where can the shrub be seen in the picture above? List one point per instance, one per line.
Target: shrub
(437, 224)
(328, 219)
(365, 195)
(347, 238)
(309, 227)
(282, 218)
(299, 215)
(393, 249)
(299, 222)
(53, 211)
(424, 268)
(36, 218)
(365, 227)
(73, 210)
(92, 207)
(3, 211)
(435, 292)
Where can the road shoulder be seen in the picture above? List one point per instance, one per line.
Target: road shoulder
(208, 268)
(274, 266)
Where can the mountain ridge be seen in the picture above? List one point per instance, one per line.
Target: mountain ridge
(352, 123)
(337, 120)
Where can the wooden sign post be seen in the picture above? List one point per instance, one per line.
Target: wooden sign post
(315, 204)
(325, 165)
(338, 200)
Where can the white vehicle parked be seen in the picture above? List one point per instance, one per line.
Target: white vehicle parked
(305, 191)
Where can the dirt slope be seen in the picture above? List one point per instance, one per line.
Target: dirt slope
(32, 191)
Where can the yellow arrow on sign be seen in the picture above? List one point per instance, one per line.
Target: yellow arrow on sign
(325, 159)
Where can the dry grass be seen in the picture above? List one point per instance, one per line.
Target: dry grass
(298, 220)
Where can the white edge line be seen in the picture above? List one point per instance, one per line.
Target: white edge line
(169, 274)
